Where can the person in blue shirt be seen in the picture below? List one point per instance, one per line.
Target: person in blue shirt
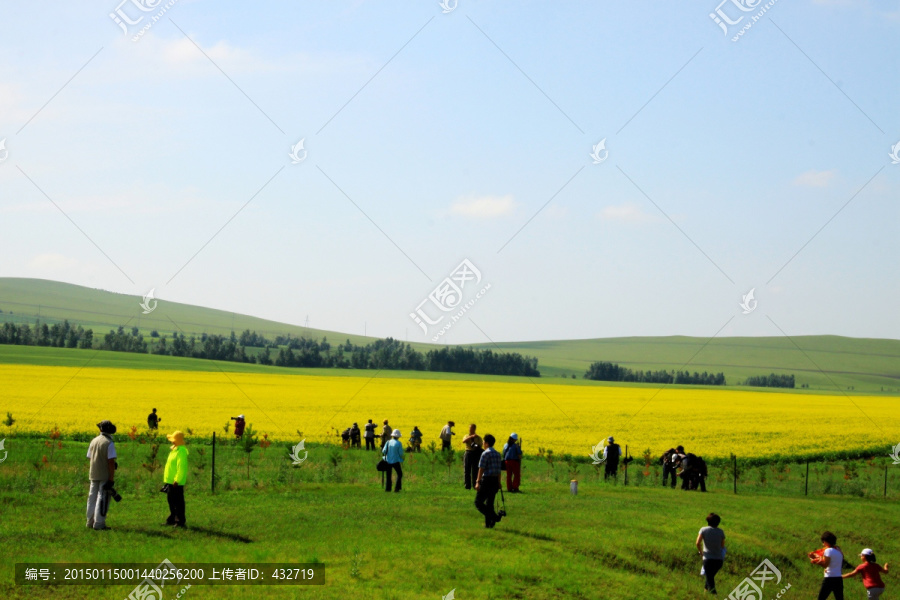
(393, 456)
(487, 483)
(512, 458)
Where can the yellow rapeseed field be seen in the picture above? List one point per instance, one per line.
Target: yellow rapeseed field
(566, 418)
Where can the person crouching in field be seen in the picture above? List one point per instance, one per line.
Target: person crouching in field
(393, 456)
(831, 558)
(175, 476)
(512, 459)
(102, 454)
(487, 482)
(871, 574)
(711, 546)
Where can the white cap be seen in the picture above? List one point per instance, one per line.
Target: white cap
(395, 433)
(240, 416)
(867, 552)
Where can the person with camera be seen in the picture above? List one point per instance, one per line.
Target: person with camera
(174, 478)
(447, 434)
(472, 455)
(393, 456)
(487, 482)
(370, 435)
(102, 455)
(611, 455)
(239, 424)
(415, 439)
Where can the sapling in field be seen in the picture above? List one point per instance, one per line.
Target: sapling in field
(248, 444)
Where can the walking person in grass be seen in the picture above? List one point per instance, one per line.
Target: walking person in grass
(871, 574)
(174, 477)
(711, 546)
(102, 454)
(831, 558)
(512, 459)
(487, 482)
(393, 456)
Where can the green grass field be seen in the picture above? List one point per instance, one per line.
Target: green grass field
(609, 541)
(828, 364)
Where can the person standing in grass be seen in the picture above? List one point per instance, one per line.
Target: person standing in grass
(711, 546)
(447, 434)
(512, 457)
(153, 420)
(611, 455)
(239, 424)
(102, 454)
(830, 558)
(354, 436)
(385, 433)
(871, 574)
(393, 456)
(370, 435)
(175, 476)
(473, 445)
(668, 463)
(487, 482)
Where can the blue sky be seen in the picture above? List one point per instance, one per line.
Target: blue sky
(434, 138)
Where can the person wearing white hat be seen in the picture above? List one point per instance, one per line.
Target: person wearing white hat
(239, 424)
(512, 460)
(871, 574)
(393, 456)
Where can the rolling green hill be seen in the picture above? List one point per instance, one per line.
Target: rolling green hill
(825, 363)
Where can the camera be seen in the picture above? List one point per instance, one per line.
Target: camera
(108, 486)
(501, 513)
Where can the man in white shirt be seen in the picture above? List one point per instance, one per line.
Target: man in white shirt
(447, 434)
(102, 454)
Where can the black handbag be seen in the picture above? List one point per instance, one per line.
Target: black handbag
(382, 465)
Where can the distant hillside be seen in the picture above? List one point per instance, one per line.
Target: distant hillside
(847, 364)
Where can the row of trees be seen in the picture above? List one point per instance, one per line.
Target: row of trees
(607, 371)
(250, 347)
(771, 380)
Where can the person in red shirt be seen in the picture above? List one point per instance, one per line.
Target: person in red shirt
(871, 574)
(239, 424)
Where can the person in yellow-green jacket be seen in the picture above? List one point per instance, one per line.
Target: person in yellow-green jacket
(175, 476)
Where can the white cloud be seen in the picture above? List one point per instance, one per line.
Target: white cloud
(483, 207)
(813, 178)
(627, 212)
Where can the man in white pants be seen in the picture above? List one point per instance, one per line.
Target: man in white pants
(102, 454)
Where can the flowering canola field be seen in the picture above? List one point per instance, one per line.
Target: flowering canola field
(566, 418)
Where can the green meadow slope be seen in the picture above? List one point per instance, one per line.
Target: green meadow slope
(825, 363)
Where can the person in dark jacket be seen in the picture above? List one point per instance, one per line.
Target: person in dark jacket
(153, 420)
(669, 468)
(239, 424)
(355, 436)
(611, 453)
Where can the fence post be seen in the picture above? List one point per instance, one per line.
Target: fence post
(626, 464)
(734, 462)
(806, 491)
(885, 480)
(213, 478)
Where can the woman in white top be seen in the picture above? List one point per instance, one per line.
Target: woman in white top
(831, 559)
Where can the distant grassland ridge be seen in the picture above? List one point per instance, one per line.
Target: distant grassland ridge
(827, 364)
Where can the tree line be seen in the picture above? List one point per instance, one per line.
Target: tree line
(608, 371)
(288, 351)
(771, 380)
